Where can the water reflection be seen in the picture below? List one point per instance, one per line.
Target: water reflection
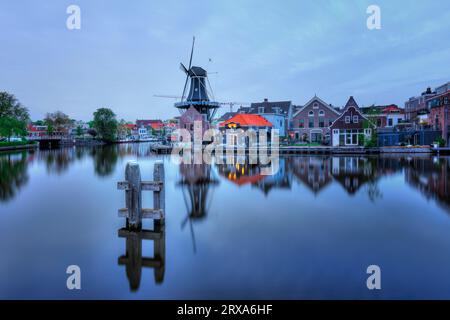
(13, 174)
(197, 183)
(133, 259)
(427, 174)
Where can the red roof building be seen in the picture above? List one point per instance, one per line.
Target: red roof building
(246, 121)
(154, 124)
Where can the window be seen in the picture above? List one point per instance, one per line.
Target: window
(321, 113)
(390, 122)
(311, 113)
(311, 123)
(301, 123)
(315, 105)
(261, 110)
(355, 119)
(321, 123)
(347, 119)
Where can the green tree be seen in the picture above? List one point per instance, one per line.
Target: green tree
(11, 107)
(10, 126)
(105, 123)
(79, 131)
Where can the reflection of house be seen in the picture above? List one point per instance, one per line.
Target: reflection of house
(432, 178)
(314, 172)
(281, 179)
(352, 172)
(347, 129)
(312, 122)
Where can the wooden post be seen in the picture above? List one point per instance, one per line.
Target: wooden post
(133, 195)
(159, 195)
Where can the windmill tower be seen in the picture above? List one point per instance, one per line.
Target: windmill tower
(199, 91)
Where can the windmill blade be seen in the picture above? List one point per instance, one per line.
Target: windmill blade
(185, 85)
(192, 53)
(183, 68)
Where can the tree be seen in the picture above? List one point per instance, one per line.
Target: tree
(11, 107)
(105, 123)
(10, 126)
(79, 131)
(58, 120)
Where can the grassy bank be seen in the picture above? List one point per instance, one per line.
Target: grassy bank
(16, 143)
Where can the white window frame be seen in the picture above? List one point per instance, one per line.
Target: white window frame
(355, 119)
(311, 113)
(321, 113)
(348, 119)
(260, 110)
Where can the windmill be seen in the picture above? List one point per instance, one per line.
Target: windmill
(199, 92)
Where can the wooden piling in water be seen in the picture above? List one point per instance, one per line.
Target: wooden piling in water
(133, 186)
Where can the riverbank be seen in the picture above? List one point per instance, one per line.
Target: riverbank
(7, 146)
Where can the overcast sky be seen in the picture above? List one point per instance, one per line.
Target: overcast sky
(128, 51)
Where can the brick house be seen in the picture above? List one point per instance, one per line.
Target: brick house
(188, 118)
(350, 125)
(312, 121)
(440, 113)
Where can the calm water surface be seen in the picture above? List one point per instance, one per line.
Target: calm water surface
(310, 231)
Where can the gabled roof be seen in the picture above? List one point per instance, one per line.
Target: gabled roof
(270, 106)
(247, 120)
(317, 99)
(351, 103)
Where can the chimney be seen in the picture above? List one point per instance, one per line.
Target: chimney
(266, 100)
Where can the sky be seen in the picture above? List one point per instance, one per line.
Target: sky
(128, 51)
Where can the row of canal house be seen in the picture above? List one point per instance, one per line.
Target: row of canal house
(315, 122)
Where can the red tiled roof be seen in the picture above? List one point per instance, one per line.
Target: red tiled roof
(129, 125)
(248, 120)
(392, 108)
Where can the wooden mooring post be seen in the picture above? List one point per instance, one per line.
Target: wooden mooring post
(133, 186)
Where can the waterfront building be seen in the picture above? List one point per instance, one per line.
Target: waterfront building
(350, 125)
(150, 125)
(35, 131)
(440, 112)
(387, 116)
(416, 109)
(278, 113)
(188, 119)
(246, 122)
(312, 122)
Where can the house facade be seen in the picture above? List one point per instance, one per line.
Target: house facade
(245, 122)
(312, 121)
(440, 113)
(278, 113)
(347, 129)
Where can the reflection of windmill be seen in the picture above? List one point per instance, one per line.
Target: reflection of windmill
(199, 90)
(133, 260)
(195, 183)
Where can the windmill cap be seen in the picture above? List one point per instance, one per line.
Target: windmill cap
(197, 71)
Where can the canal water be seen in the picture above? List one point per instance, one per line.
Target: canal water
(308, 232)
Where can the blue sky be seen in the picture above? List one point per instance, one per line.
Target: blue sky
(128, 51)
